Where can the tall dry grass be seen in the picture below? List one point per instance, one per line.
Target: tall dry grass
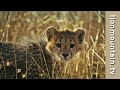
(89, 63)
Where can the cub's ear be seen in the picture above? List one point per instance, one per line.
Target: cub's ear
(50, 32)
(80, 33)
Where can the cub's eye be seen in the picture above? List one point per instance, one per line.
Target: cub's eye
(72, 45)
(58, 45)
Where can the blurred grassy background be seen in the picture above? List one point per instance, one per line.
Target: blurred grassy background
(14, 25)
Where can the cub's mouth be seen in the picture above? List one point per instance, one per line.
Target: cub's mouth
(66, 60)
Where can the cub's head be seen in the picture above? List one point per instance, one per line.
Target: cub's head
(64, 44)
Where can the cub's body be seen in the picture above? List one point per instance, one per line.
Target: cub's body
(24, 62)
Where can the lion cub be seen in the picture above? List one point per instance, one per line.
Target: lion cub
(64, 44)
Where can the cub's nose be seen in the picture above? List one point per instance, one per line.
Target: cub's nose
(65, 54)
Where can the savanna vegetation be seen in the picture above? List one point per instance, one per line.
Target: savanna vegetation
(21, 26)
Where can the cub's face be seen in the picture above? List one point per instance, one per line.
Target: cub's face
(64, 44)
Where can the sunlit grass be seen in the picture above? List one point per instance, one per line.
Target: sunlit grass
(20, 27)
